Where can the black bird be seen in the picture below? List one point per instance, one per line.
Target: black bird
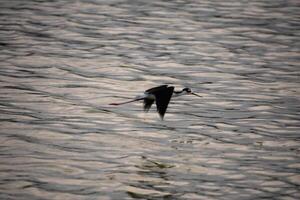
(161, 95)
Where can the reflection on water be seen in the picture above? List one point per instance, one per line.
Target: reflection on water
(63, 62)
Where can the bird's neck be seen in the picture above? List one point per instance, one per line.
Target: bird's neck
(179, 93)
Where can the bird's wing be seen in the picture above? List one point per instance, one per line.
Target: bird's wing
(147, 104)
(162, 98)
(158, 88)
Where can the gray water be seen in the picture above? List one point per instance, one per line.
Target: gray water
(63, 62)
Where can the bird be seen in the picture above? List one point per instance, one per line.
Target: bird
(161, 95)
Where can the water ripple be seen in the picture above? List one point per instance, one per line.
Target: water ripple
(63, 62)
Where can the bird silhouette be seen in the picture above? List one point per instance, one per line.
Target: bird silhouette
(161, 95)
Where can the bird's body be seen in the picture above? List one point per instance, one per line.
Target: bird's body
(161, 95)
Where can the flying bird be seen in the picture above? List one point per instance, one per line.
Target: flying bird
(161, 95)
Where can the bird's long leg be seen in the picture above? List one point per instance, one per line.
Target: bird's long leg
(116, 104)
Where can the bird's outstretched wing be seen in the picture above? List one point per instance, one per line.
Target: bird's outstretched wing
(147, 104)
(155, 89)
(162, 98)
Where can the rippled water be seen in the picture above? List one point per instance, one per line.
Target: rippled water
(63, 62)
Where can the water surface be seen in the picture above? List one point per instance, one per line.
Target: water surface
(63, 62)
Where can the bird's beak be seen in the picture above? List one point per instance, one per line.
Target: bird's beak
(195, 94)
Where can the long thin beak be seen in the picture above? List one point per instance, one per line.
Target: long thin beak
(195, 94)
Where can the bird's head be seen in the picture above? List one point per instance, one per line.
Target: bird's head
(189, 91)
